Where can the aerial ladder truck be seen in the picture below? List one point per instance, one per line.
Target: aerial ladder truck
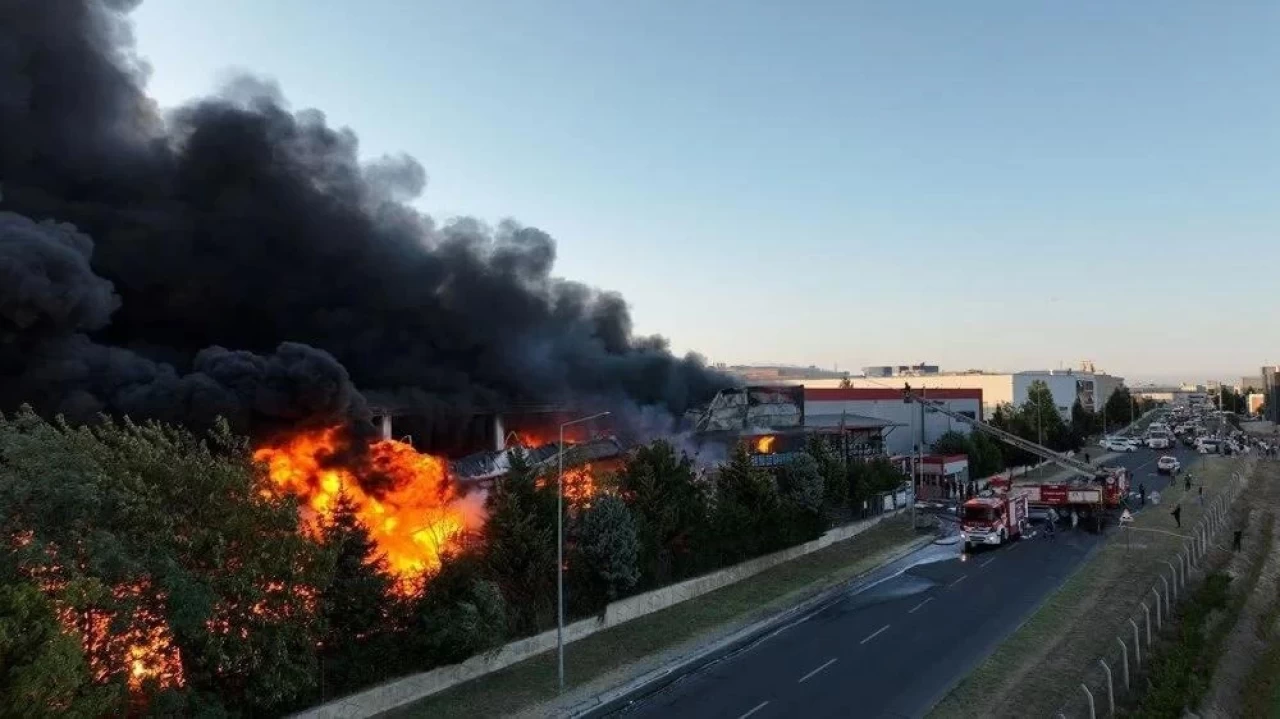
(997, 518)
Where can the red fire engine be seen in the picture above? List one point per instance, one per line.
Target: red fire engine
(993, 520)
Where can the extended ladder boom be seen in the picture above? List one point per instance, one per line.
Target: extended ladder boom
(1082, 468)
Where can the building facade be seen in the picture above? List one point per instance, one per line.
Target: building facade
(902, 421)
(1271, 390)
(997, 388)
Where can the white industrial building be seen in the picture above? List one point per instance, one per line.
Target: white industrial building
(997, 388)
(831, 405)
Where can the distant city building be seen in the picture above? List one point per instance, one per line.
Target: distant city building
(997, 388)
(779, 373)
(1187, 395)
(902, 370)
(1271, 390)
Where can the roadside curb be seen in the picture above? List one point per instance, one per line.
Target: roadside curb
(658, 679)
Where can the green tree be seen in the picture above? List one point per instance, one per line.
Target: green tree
(987, 458)
(182, 542)
(458, 613)
(835, 486)
(357, 605)
(984, 454)
(746, 509)
(1041, 421)
(520, 546)
(871, 478)
(1084, 423)
(671, 512)
(607, 546)
(1120, 409)
(953, 442)
(801, 485)
(44, 668)
(1232, 401)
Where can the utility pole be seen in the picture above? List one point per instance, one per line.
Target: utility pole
(1040, 423)
(920, 452)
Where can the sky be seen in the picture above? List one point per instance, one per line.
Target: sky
(1008, 184)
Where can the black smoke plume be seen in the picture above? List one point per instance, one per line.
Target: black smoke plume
(235, 258)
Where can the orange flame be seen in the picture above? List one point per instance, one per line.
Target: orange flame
(144, 647)
(417, 518)
(764, 445)
(582, 482)
(579, 485)
(530, 438)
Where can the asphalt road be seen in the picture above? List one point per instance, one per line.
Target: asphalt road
(895, 645)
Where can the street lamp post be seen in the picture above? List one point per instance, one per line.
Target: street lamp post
(560, 543)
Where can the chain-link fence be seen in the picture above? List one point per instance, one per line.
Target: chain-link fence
(1121, 668)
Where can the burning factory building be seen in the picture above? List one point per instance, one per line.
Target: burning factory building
(234, 259)
(772, 423)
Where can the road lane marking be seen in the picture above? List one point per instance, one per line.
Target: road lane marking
(874, 634)
(828, 663)
(961, 579)
(921, 604)
(758, 707)
(989, 561)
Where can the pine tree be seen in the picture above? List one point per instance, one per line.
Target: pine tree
(520, 546)
(356, 604)
(670, 508)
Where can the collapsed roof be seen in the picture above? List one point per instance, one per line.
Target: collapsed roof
(491, 465)
(746, 408)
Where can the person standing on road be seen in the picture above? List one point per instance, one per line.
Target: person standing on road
(1177, 514)
(1142, 494)
(1186, 483)
(1235, 541)
(1200, 495)
(1075, 519)
(1050, 528)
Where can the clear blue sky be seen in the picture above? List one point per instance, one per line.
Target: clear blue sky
(1011, 184)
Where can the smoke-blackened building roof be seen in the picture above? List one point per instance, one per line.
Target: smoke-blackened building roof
(491, 465)
(746, 408)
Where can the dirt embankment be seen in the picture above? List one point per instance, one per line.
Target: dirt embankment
(1242, 684)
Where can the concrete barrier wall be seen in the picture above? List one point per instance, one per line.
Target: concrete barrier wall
(399, 692)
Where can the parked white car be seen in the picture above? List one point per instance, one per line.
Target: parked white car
(1118, 445)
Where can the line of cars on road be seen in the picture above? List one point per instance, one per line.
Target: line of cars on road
(1206, 432)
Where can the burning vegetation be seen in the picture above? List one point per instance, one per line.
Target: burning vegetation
(404, 498)
(142, 258)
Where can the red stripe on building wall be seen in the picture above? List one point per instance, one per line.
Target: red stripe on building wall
(854, 394)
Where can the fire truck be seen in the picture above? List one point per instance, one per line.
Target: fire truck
(993, 520)
(1092, 493)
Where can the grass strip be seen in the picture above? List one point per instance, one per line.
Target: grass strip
(1261, 693)
(1029, 673)
(1181, 670)
(691, 623)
